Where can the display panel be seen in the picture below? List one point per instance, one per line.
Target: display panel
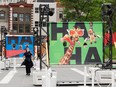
(76, 42)
(16, 45)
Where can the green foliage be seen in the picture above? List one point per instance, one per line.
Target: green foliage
(82, 10)
(86, 10)
(113, 52)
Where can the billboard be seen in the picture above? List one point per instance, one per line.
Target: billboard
(16, 45)
(76, 42)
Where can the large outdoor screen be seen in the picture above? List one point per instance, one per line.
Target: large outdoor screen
(76, 42)
(17, 44)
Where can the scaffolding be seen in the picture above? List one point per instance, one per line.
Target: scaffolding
(107, 29)
(45, 12)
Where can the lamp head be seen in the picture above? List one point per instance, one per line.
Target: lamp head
(50, 13)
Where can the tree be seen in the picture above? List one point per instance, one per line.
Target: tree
(86, 10)
(82, 10)
(114, 15)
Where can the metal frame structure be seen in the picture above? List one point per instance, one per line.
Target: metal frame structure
(107, 28)
(45, 12)
(3, 40)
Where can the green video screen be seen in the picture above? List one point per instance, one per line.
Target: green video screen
(76, 42)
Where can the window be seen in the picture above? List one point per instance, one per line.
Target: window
(15, 17)
(36, 23)
(15, 28)
(36, 10)
(27, 28)
(21, 23)
(21, 17)
(27, 18)
(2, 14)
(21, 28)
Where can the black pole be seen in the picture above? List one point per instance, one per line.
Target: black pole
(1, 44)
(102, 9)
(107, 18)
(48, 37)
(5, 33)
(40, 25)
(110, 39)
(37, 44)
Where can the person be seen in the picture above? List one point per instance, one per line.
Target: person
(28, 61)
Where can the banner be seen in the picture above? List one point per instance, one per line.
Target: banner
(76, 42)
(16, 45)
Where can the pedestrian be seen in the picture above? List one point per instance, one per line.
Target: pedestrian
(28, 61)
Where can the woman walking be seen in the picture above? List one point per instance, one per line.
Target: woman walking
(28, 61)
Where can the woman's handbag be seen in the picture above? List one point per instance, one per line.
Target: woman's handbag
(31, 64)
(23, 63)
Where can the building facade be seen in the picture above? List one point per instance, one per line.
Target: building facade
(20, 16)
(16, 17)
(36, 16)
(59, 11)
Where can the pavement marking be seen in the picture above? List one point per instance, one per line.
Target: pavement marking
(80, 72)
(8, 77)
